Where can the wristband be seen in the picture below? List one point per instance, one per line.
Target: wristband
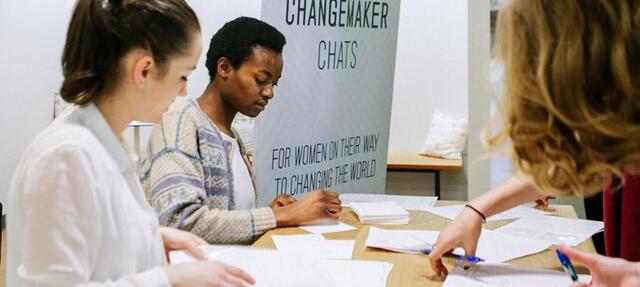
(484, 219)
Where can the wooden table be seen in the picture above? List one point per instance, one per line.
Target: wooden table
(414, 270)
(413, 162)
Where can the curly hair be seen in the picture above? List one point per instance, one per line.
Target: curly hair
(570, 113)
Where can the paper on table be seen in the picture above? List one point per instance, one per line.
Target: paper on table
(504, 275)
(451, 211)
(266, 267)
(358, 273)
(407, 202)
(314, 246)
(328, 227)
(557, 230)
(492, 247)
(380, 213)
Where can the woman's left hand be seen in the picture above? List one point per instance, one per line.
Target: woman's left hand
(176, 239)
(605, 271)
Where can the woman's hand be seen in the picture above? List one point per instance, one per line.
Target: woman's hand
(463, 232)
(207, 273)
(544, 200)
(282, 200)
(316, 205)
(605, 271)
(175, 239)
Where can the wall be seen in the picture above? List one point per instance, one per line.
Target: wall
(32, 34)
(443, 47)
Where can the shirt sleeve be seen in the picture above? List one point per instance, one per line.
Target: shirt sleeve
(61, 232)
(175, 186)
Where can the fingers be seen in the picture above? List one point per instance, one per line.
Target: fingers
(231, 280)
(435, 257)
(192, 248)
(239, 273)
(576, 255)
(197, 239)
(579, 284)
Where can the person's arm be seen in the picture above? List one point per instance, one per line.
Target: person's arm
(511, 193)
(174, 181)
(60, 236)
(464, 230)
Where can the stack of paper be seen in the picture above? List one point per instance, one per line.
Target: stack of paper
(267, 267)
(380, 213)
(492, 247)
(314, 246)
(556, 230)
(451, 211)
(407, 202)
(503, 275)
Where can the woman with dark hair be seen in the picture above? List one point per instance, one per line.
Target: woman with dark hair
(571, 120)
(195, 171)
(77, 213)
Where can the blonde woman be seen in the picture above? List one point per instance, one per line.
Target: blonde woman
(77, 213)
(572, 120)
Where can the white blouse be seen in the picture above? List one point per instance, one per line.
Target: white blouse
(243, 191)
(77, 215)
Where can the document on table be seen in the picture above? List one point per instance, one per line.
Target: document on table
(557, 230)
(266, 267)
(406, 201)
(504, 275)
(328, 226)
(451, 211)
(492, 247)
(380, 213)
(314, 246)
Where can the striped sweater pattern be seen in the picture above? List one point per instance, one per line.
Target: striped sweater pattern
(187, 177)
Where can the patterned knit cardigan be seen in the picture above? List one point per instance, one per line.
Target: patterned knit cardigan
(187, 177)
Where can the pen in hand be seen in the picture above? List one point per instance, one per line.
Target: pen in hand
(566, 265)
(459, 258)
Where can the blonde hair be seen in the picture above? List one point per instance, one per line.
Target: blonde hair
(571, 110)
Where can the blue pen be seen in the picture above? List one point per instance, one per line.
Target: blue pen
(459, 258)
(566, 265)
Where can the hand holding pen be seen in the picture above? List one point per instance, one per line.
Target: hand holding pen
(605, 271)
(459, 258)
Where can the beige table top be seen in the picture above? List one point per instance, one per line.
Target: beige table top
(414, 270)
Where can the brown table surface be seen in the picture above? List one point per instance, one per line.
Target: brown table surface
(414, 270)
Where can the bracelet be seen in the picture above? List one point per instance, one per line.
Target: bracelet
(484, 219)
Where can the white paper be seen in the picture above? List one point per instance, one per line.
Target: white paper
(451, 211)
(380, 213)
(314, 246)
(267, 267)
(328, 227)
(504, 275)
(405, 201)
(557, 230)
(493, 247)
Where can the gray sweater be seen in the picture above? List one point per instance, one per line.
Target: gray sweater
(187, 177)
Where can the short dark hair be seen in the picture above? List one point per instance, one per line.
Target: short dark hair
(236, 40)
(102, 32)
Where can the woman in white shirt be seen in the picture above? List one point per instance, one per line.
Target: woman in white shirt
(77, 212)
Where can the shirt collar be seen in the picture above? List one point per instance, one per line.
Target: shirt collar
(101, 129)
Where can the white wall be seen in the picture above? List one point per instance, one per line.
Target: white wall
(443, 53)
(32, 34)
(431, 68)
